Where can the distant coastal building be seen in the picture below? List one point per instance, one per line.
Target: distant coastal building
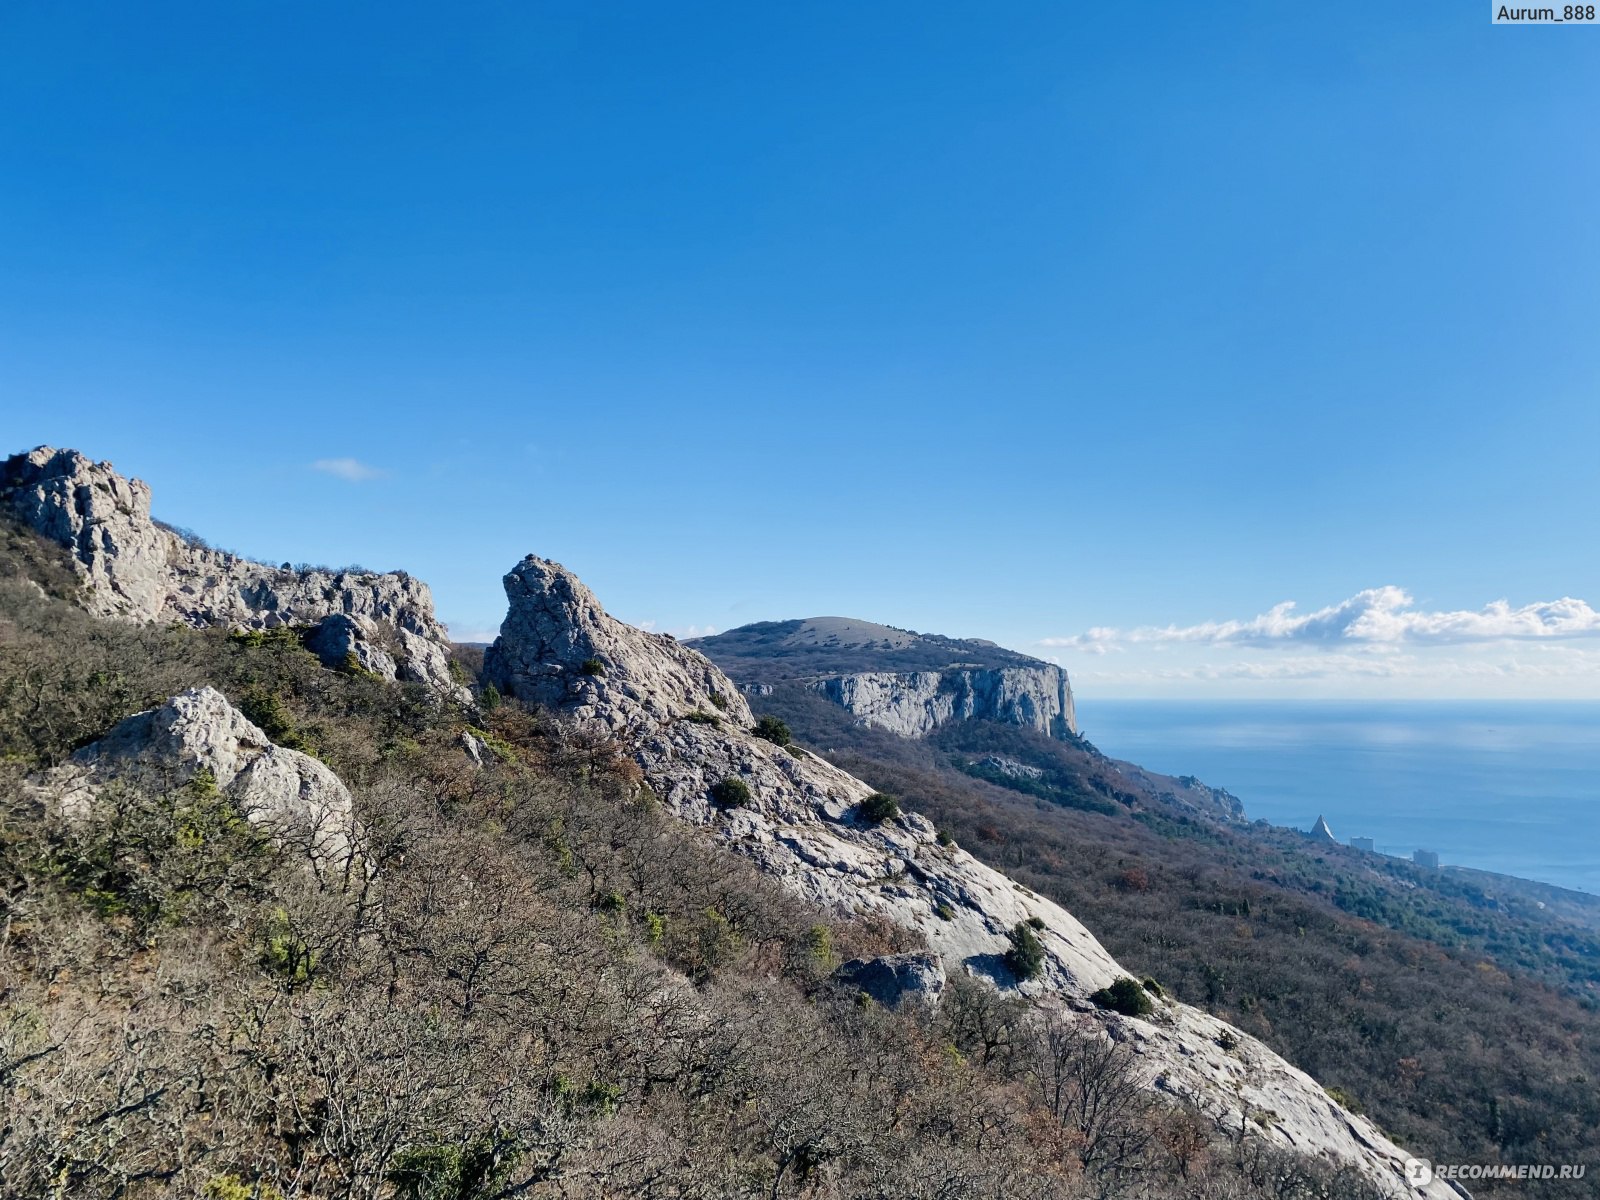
(1426, 858)
(1322, 833)
(1363, 844)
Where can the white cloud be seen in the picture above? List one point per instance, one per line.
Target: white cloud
(1377, 617)
(682, 632)
(351, 470)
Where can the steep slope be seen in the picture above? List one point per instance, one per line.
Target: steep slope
(804, 824)
(1361, 970)
(908, 683)
(133, 568)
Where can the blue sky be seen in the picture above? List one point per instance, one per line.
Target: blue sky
(1018, 322)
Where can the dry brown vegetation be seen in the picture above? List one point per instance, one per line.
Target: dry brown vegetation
(528, 981)
(1469, 1033)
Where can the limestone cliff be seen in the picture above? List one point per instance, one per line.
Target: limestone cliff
(916, 703)
(689, 729)
(135, 569)
(893, 679)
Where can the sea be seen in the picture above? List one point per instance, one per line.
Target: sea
(1511, 786)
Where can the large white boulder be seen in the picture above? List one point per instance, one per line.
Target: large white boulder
(290, 795)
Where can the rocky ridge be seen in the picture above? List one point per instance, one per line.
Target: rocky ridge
(135, 569)
(688, 728)
(290, 795)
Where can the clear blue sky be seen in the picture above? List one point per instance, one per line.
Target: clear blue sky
(1010, 321)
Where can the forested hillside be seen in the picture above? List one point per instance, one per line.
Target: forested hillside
(1469, 1029)
(525, 980)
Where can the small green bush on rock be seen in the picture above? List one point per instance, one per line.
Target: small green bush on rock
(593, 666)
(1126, 996)
(773, 730)
(730, 793)
(878, 808)
(1025, 959)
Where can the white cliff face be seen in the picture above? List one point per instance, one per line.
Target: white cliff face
(135, 570)
(804, 827)
(915, 703)
(290, 795)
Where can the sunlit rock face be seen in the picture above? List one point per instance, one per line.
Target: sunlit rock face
(135, 569)
(199, 734)
(915, 703)
(688, 728)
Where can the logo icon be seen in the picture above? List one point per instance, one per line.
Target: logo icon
(1419, 1171)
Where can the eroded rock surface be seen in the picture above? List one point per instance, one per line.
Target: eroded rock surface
(198, 732)
(688, 728)
(915, 703)
(135, 569)
(896, 979)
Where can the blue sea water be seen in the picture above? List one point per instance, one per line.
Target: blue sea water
(1509, 786)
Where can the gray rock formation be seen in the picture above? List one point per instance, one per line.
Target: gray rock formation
(1321, 833)
(289, 794)
(915, 703)
(558, 648)
(895, 979)
(135, 569)
(1009, 766)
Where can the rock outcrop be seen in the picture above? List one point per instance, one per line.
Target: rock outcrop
(559, 649)
(135, 569)
(688, 728)
(896, 979)
(289, 794)
(915, 703)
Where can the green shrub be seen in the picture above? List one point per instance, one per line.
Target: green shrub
(1025, 959)
(231, 1187)
(946, 838)
(1154, 988)
(795, 751)
(285, 953)
(731, 792)
(1035, 922)
(944, 912)
(1126, 996)
(774, 731)
(878, 808)
(266, 709)
(352, 666)
(490, 699)
(701, 717)
(718, 700)
(819, 945)
(593, 666)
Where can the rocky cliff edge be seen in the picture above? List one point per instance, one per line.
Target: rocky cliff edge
(135, 569)
(689, 731)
